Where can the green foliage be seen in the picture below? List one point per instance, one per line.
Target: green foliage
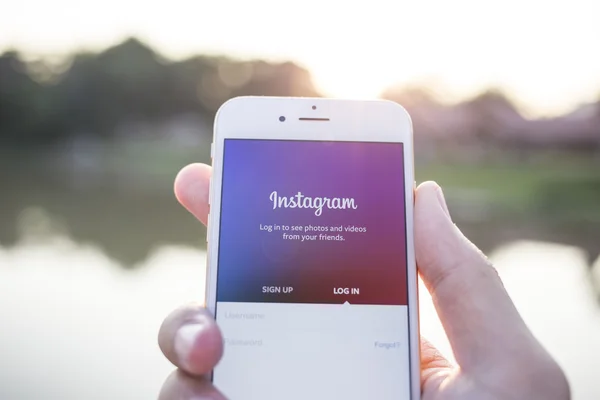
(571, 197)
(129, 82)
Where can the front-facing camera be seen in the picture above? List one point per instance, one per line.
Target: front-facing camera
(314, 107)
(282, 118)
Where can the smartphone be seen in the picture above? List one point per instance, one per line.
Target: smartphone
(311, 268)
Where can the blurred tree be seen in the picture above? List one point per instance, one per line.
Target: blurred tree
(494, 115)
(18, 97)
(129, 83)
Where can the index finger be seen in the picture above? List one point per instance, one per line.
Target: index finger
(192, 186)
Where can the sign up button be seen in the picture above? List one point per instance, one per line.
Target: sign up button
(277, 289)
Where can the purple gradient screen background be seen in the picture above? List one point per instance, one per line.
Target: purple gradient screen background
(374, 262)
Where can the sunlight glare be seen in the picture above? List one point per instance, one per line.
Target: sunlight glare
(539, 52)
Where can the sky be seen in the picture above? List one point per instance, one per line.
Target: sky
(542, 53)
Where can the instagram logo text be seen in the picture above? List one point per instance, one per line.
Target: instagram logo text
(317, 203)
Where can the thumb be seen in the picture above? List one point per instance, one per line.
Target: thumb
(480, 320)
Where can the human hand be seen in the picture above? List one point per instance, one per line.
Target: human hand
(497, 357)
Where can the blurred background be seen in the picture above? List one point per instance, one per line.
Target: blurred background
(102, 103)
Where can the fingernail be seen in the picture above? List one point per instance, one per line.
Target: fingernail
(442, 201)
(185, 340)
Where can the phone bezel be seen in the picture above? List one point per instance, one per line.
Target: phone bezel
(333, 120)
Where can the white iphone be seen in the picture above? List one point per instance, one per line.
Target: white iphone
(311, 266)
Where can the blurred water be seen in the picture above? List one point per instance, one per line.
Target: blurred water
(75, 324)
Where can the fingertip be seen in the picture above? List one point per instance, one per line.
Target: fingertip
(198, 346)
(187, 176)
(428, 186)
(432, 193)
(191, 340)
(431, 211)
(192, 187)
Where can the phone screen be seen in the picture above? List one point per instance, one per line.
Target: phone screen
(312, 280)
